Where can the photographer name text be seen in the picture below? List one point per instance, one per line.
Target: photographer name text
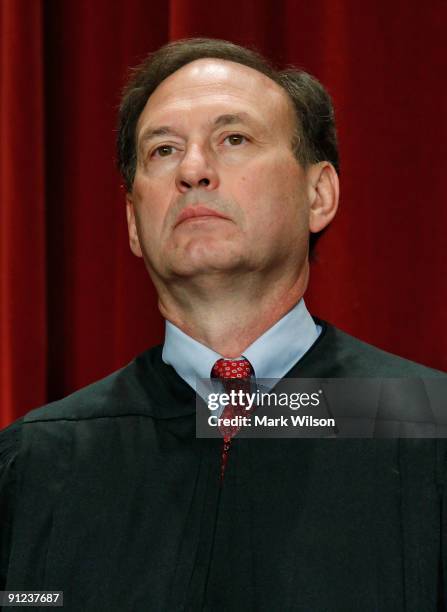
(264, 421)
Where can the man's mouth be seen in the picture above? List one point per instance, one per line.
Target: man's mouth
(197, 212)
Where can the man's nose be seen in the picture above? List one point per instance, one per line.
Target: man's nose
(196, 170)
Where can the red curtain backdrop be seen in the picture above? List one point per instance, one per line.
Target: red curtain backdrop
(75, 304)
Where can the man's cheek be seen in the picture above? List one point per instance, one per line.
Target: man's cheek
(249, 186)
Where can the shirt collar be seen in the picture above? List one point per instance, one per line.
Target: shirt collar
(272, 355)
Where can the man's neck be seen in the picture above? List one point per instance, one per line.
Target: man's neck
(229, 321)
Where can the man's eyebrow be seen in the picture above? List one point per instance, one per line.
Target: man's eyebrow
(230, 119)
(150, 133)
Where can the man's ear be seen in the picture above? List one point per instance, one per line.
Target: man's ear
(134, 241)
(324, 192)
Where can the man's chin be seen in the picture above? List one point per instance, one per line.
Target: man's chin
(208, 264)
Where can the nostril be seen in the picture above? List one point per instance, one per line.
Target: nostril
(204, 182)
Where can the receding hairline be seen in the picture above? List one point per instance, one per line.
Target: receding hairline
(273, 84)
(218, 60)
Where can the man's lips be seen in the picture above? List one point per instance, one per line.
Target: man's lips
(196, 212)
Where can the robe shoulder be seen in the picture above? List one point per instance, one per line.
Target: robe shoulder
(145, 387)
(107, 397)
(338, 354)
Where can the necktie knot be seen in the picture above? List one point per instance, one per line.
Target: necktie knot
(232, 369)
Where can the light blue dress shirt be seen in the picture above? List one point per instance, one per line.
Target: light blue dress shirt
(272, 355)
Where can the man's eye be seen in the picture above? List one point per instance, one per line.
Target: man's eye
(235, 139)
(163, 151)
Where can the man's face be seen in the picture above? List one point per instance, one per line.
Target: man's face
(217, 186)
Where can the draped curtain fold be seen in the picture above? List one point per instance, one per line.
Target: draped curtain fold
(23, 277)
(75, 304)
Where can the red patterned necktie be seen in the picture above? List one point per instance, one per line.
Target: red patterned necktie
(235, 376)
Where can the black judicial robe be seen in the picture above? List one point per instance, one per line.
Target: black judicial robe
(108, 496)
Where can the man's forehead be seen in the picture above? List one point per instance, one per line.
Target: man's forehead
(216, 79)
(215, 73)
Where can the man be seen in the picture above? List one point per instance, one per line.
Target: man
(109, 496)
